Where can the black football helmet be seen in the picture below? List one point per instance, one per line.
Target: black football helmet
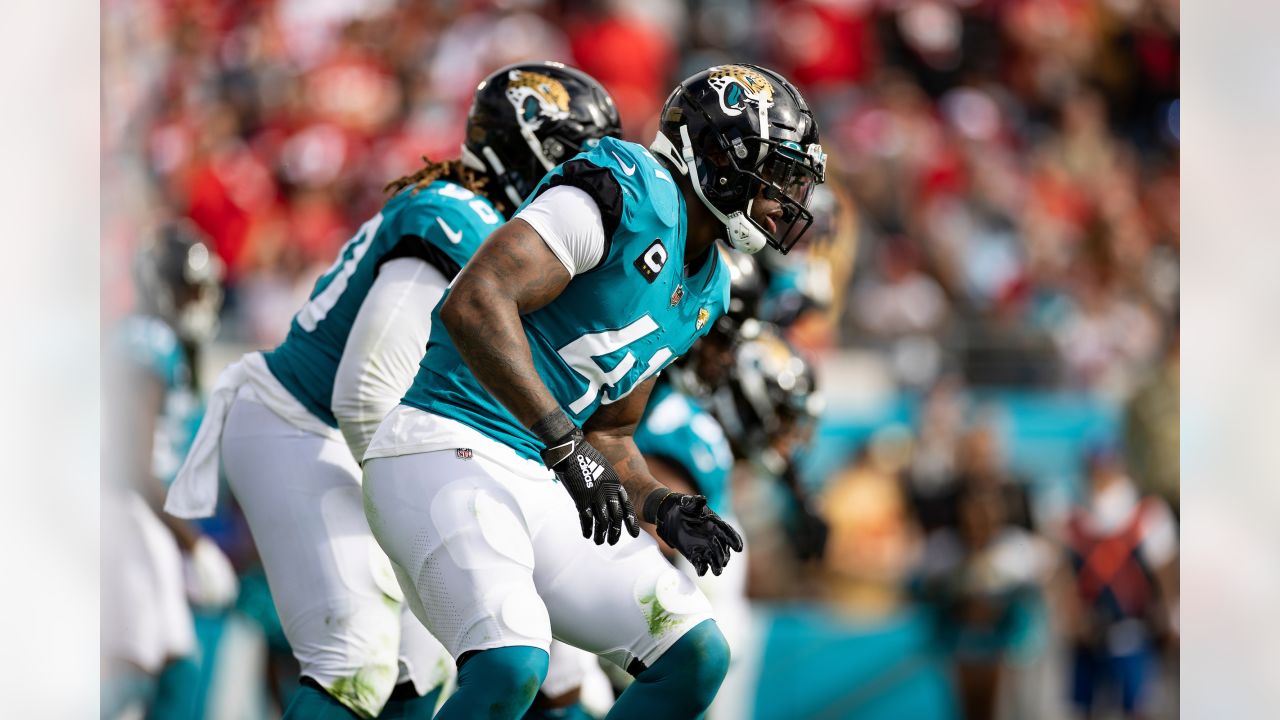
(178, 278)
(746, 290)
(770, 388)
(737, 129)
(528, 118)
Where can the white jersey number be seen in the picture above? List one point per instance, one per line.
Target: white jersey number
(481, 208)
(581, 353)
(339, 274)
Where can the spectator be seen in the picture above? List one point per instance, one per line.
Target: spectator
(1123, 549)
(985, 576)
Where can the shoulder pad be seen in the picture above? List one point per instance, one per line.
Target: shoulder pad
(628, 185)
(647, 186)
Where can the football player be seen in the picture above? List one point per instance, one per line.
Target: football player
(687, 452)
(291, 423)
(541, 360)
(768, 410)
(155, 566)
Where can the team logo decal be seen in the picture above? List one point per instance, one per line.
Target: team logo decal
(652, 261)
(536, 98)
(739, 87)
(703, 315)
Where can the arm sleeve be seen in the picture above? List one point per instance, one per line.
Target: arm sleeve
(570, 223)
(385, 346)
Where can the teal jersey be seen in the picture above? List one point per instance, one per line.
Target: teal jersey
(678, 430)
(150, 344)
(443, 224)
(614, 326)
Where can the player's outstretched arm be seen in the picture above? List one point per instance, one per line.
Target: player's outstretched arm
(513, 272)
(682, 521)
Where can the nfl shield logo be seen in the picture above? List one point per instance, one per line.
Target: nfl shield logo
(463, 453)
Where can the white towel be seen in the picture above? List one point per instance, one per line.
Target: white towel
(194, 492)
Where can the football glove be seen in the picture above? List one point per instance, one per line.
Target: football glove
(686, 523)
(603, 506)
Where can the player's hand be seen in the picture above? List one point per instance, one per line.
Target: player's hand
(686, 523)
(603, 506)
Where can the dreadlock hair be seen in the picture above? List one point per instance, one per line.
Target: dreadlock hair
(452, 170)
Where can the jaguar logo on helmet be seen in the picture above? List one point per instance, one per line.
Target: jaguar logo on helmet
(739, 86)
(536, 97)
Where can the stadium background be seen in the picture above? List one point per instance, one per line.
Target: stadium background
(1004, 294)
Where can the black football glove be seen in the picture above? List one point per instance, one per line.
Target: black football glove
(603, 506)
(686, 523)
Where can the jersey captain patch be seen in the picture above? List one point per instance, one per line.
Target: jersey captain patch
(651, 262)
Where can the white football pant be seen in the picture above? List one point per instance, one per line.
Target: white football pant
(489, 551)
(338, 600)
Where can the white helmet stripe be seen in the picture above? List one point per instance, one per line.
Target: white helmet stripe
(763, 111)
(536, 148)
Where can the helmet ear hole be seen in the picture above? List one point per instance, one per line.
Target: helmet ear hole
(718, 157)
(553, 149)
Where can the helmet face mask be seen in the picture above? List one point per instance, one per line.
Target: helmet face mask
(784, 176)
(741, 133)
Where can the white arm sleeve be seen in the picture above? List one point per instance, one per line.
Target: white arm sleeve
(570, 224)
(384, 348)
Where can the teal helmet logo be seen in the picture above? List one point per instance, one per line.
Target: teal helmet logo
(536, 97)
(738, 87)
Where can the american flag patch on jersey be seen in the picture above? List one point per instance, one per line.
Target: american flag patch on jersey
(463, 453)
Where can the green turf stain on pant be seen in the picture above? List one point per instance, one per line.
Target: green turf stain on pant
(367, 690)
(656, 616)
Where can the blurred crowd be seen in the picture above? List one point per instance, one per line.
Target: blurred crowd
(1002, 212)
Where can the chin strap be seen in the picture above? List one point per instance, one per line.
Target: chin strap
(536, 148)
(744, 236)
(495, 168)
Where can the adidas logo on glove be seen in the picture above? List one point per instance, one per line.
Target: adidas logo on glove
(591, 470)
